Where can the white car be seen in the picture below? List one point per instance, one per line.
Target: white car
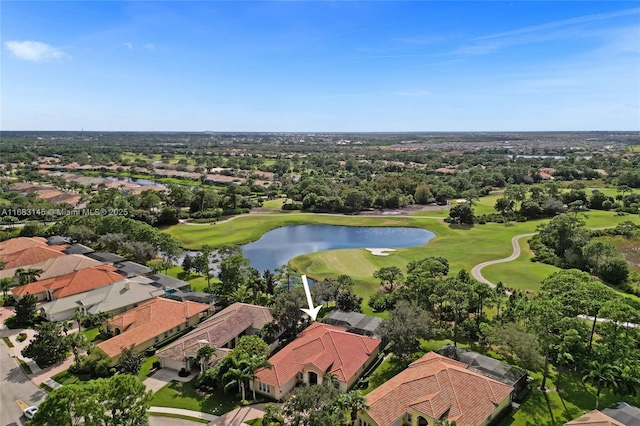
(29, 412)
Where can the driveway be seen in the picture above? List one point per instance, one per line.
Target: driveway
(238, 416)
(14, 385)
(163, 376)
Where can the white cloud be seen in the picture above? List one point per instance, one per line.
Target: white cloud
(150, 46)
(129, 45)
(34, 51)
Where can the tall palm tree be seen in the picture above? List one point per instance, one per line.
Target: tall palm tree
(27, 276)
(6, 284)
(253, 364)
(203, 356)
(330, 378)
(79, 317)
(77, 341)
(353, 402)
(238, 374)
(600, 375)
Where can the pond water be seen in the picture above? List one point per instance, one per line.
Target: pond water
(276, 247)
(143, 182)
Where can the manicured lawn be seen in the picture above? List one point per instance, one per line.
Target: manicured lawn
(556, 408)
(463, 246)
(145, 370)
(197, 282)
(91, 333)
(522, 273)
(184, 395)
(389, 368)
(274, 204)
(68, 378)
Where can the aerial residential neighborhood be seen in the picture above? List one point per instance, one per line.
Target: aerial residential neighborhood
(320, 213)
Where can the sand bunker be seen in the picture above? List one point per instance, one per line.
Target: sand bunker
(380, 251)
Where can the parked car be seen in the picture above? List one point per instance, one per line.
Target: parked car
(29, 412)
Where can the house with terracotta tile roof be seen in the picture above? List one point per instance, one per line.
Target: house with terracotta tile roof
(31, 255)
(57, 266)
(221, 331)
(436, 388)
(69, 284)
(621, 414)
(150, 323)
(320, 349)
(594, 418)
(114, 298)
(18, 244)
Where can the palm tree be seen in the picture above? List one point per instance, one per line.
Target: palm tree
(241, 294)
(203, 356)
(600, 375)
(238, 374)
(253, 364)
(330, 378)
(77, 341)
(27, 276)
(6, 284)
(353, 402)
(79, 316)
(627, 381)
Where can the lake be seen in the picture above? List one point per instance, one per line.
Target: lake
(276, 247)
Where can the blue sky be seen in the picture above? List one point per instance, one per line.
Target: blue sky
(320, 66)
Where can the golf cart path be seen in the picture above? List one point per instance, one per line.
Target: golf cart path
(476, 271)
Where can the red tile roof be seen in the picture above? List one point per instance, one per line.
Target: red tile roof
(594, 418)
(327, 347)
(31, 255)
(73, 283)
(18, 244)
(437, 386)
(152, 318)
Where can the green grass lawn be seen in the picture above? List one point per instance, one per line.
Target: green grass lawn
(522, 273)
(68, 378)
(145, 370)
(91, 333)
(555, 408)
(197, 282)
(274, 204)
(184, 395)
(463, 246)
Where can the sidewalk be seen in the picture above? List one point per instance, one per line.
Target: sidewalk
(180, 411)
(38, 375)
(238, 416)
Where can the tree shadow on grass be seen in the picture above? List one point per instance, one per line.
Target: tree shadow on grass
(184, 395)
(462, 227)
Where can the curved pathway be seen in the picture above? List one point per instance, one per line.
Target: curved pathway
(515, 243)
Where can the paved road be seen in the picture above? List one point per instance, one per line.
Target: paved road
(169, 421)
(476, 272)
(15, 385)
